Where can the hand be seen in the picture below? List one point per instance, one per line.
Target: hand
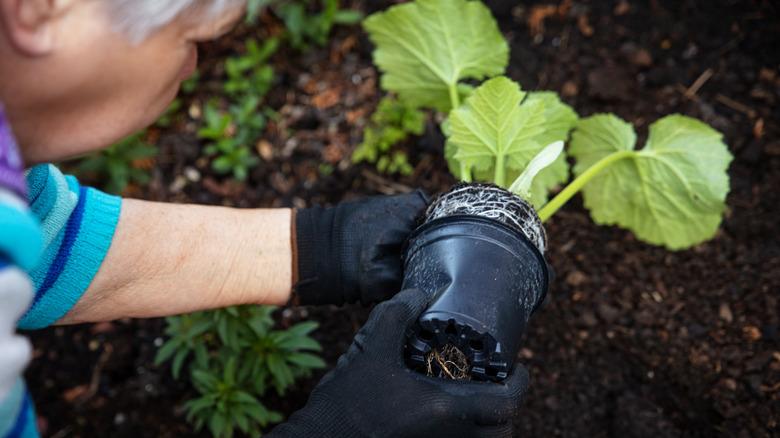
(371, 392)
(352, 251)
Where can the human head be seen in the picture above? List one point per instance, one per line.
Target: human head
(78, 75)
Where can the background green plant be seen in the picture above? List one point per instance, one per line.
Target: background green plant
(305, 27)
(116, 165)
(391, 123)
(230, 136)
(234, 355)
(250, 74)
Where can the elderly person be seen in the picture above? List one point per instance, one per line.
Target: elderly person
(78, 75)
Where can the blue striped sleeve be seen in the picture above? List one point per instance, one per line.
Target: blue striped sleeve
(79, 232)
(17, 418)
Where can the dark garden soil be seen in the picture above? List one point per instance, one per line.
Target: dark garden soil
(636, 341)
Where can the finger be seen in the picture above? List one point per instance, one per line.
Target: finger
(418, 199)
(498, 403)
(389, 322)
(502, 431)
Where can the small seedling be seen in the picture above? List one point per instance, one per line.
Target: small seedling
(392, 123)
(305, 28)
(231, 135)
(250, 74)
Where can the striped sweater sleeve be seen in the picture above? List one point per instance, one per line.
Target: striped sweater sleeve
(78, 224)
(20, 245)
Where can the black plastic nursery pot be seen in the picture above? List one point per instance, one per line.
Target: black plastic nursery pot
(479, 256)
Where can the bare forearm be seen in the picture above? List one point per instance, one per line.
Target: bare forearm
(167, 259)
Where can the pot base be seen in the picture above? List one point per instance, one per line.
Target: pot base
(481, 353)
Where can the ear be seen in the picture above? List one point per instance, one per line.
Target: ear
(30, 24)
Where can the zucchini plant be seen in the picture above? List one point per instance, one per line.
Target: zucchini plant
(671, 192)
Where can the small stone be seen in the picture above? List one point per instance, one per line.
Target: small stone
(570, 89)
(265, 150)
(725, 313)
(622, 8)
(642, 58)
(575, 278)
(588, 319)
(751, 333)
(608, 313)
(192, 174)
(729, 383)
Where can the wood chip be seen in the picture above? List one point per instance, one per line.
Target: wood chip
(75, 393)
(622, 8)
(758, 128)
(698, 83)
(536, 18)
(751, 333)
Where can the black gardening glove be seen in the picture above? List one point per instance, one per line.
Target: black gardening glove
(352, 251)
(371, 392)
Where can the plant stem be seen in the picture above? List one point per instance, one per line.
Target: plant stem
(454, 98)
(570, 190)
(465, 173)
(499, 177)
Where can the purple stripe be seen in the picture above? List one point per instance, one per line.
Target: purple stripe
(71, 234)
(11, 165)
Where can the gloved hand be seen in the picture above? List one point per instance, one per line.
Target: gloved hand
(371, 392)
(352, 251)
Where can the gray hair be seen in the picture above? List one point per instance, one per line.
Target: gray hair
(137, 19)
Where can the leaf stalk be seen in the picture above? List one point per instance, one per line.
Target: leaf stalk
(454, 98)
(575, 186)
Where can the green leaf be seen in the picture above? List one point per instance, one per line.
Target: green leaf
(208, 383)
(259, 413)
(281, 372)
(672, 192)
(306, 360)
(501, 129)
(243, 397)
(522, 185)
(198, 327)
(494, 131)
(196, 405)
(167, 350)
(219, 424)
(303, 328)
(559, 119)
(300, 343)
(347, 16)
(178, 360)
(425, 48)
